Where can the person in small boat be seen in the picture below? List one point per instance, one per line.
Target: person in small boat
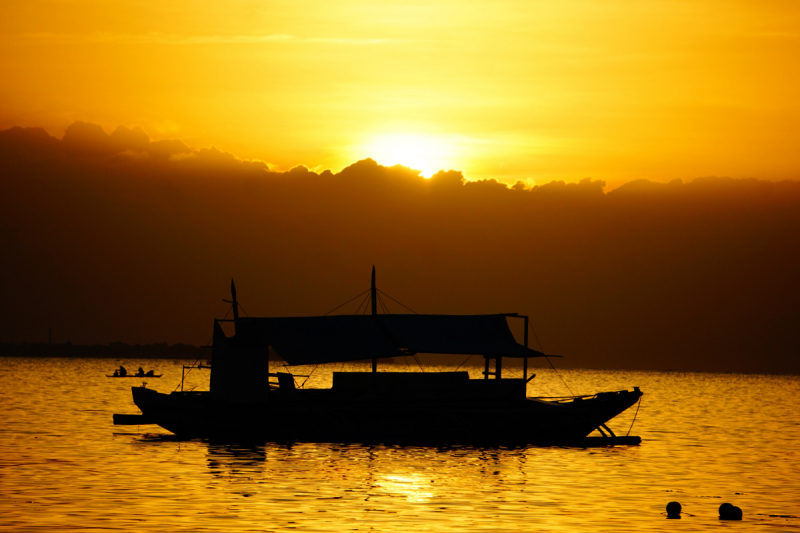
(116, 372)
(122, 371)
(140, 372)
(150, 373)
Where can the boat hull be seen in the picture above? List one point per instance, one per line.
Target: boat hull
(323, 416)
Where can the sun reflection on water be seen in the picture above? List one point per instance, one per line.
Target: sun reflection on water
(415, 488)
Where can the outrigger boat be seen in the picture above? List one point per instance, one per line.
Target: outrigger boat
(435, 408)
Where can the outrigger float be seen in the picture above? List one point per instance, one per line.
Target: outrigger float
(427, 408)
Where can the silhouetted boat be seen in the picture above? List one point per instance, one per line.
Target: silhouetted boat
(135, 376)
(438, 408)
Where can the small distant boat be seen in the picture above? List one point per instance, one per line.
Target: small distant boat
(136, 376)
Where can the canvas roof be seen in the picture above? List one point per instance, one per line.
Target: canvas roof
(339, 338)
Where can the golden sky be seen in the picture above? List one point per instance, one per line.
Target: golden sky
(514, 90)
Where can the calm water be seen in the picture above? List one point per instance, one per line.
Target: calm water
(708, 439)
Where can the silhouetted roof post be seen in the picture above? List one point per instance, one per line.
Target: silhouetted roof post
(525, 360)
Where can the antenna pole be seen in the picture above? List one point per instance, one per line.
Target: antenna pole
(374, 297)
(374, 294)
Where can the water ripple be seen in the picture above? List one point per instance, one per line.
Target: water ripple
(708, 439)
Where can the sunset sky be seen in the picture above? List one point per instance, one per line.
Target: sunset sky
(625, 172)
(513, 90)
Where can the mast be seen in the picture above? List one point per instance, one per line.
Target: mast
(374, 298)
(234, 302)
(235, 305)
(374, 294)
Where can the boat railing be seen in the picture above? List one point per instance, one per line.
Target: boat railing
(197, 364)
(563, 399)
(285, 380)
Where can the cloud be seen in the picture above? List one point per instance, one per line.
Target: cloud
(82, 139)
(110, 237)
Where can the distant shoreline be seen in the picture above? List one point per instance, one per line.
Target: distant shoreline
(189, 352)
(116, 350)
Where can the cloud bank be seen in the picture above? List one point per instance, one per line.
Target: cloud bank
(114, 237)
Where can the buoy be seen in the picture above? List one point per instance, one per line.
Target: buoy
(728, 511)
(673, 510)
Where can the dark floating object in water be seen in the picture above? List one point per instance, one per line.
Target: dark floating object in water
(673, 510)
(729, 512)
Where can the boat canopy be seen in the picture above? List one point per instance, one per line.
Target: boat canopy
(340, 338)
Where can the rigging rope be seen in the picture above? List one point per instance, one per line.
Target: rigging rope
(465, 361)
(200, 356)
(559, 375)
(535, 336)
(366, 299)
(392, 299)
(302, 385)
(634, 416)
(383, 305)
(363, 303)
(347, 302)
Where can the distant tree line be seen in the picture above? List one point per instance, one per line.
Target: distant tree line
(115, 350)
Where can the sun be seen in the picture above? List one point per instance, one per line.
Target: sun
(423, 152)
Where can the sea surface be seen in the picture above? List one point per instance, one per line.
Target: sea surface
(707, 439)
